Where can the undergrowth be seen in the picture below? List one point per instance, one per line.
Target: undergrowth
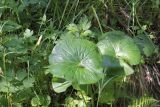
(79, 53)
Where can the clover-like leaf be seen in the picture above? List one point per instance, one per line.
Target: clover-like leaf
(117, 44)
(76, 60)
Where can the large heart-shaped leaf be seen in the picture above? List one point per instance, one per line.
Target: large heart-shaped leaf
(76, 60)
(117, 44)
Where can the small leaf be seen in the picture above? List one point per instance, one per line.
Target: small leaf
(28, 33)
(4, 86)
(82, 95)
(86, 33)
(22, 95)
(144, 27)
(17, 105)
(72, 28)
(28, 82)
(35, 102)
(127, 69)
(15, 44)
(44, 18)
(40, 100)
(61, 87)
(84, 24)
(72, 102)
(10, 26)
(21, 75)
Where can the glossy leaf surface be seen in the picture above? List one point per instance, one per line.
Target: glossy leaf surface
(117, 44)
(76, 60)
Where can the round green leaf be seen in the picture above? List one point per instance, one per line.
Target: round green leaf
(117, 44)
(76, 60)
